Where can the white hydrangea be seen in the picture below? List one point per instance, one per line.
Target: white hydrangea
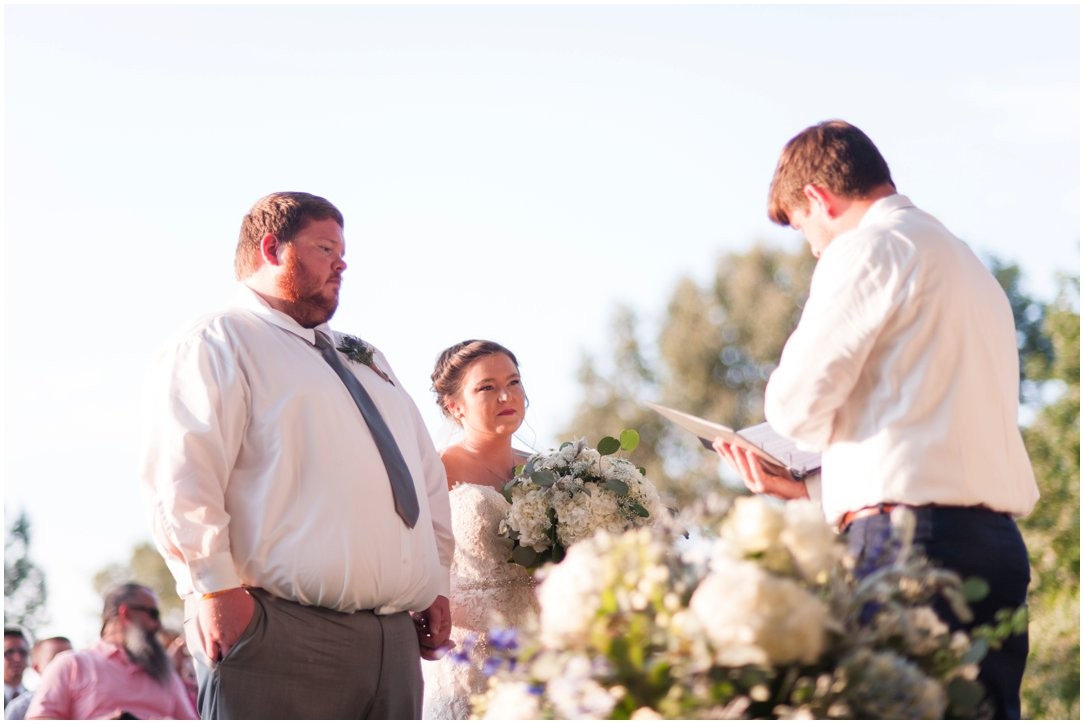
(528, 516)
(511, 701)
(810, 541)
(569, 595)
(754, 525)
(753, 617)
(576, 695)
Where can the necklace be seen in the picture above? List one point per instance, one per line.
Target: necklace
(499, 478)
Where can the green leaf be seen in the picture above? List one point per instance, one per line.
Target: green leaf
(526, 557)
(629, 440)
(608, 445)
(618, 486)
(640, 510)
(975, 589)
(543, 478)
(977, 652)
(964, 697)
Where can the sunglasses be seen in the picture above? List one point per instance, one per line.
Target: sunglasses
(11, 652)
(152, 612)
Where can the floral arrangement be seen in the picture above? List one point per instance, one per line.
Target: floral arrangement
(565, 496)
(356, 350)
(740, 609)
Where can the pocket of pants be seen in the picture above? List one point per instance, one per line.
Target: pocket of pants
(252, 634)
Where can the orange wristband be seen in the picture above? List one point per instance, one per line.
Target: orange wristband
(216, 594)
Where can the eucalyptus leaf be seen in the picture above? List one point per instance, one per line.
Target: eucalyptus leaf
(964, 696)
(975, 589)
(543, 478)
(640, 510)
(525, 557)
(977, 652)
(608, 445)
(629, 440)
(618, 486)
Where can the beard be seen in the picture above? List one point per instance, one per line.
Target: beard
(147, 652)
(310, 301)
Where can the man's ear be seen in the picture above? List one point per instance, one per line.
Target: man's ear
(822, 197)
(271, 250)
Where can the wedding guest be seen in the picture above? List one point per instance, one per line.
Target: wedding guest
(478, 386)
(126, 674)
(16, 657)
(903, 370)
(41, 653)
(296, 495)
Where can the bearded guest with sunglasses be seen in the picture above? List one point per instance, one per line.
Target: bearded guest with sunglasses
(126, 674)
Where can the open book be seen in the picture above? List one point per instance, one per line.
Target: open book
(761, 439)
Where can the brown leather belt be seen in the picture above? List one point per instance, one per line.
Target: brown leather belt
(870, 510)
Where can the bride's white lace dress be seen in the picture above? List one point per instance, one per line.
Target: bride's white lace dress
(487, 592)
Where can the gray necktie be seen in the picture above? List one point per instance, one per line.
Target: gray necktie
(402, 485)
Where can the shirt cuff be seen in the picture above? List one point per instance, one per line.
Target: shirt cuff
(813, 487)
(214, 573)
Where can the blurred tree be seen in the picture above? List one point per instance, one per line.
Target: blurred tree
(1052, 531)
(147, 567)
(25, 591)
(716, 348)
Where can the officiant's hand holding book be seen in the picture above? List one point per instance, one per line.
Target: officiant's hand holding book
(774, 449)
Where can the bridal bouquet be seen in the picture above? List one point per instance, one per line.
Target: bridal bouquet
(741, 610)
(565, 496)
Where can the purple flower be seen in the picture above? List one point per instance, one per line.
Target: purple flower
(503, 639)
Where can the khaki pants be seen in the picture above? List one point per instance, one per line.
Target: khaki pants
(306, 662)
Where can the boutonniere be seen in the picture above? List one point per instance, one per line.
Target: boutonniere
(357, 351)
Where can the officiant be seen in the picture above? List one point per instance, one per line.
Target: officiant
(903, 371)
(295, 493)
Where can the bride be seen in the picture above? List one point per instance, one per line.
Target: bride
(478, 386)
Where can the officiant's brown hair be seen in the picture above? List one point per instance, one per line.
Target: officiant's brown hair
(452, 366)
(282, 213)
(833, 154)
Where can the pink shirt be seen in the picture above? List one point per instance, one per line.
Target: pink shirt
(96, 682)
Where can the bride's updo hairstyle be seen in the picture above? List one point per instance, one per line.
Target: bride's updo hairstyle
(452, 366)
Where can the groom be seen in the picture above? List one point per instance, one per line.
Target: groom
(296, 495)
(903, 371)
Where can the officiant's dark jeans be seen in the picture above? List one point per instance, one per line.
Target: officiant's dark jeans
(307, 662)
(972, 542)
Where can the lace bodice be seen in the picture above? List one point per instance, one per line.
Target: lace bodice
(487, 592)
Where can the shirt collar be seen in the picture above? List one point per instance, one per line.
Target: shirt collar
(883, 207)
(248, 299)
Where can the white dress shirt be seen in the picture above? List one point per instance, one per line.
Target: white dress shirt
(903, 372)
(261, 471)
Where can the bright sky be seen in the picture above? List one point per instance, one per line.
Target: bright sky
(509, 172)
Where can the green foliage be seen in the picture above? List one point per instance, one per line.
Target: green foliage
(25, 590)
(146, 567)
(1052, 531)
(715, 348)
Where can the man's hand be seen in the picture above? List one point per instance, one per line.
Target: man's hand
(222, 620)
(758, 474)
(434, 626)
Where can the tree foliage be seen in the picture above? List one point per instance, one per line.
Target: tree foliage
(1052, 531)
(146, 567)
(716, 346)
(25, 590)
